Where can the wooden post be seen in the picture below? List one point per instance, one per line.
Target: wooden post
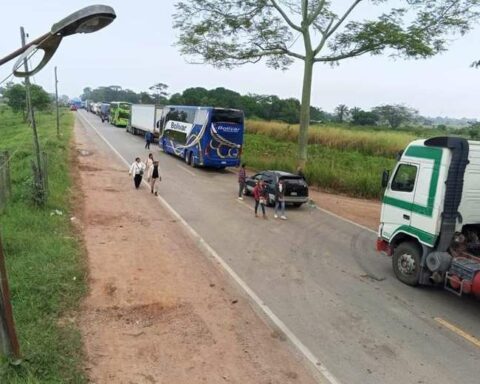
(8, 337)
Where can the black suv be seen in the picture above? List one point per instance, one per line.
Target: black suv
(296, 189)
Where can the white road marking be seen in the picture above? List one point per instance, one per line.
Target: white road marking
(348, 221)
(302, 348)
(186, 170)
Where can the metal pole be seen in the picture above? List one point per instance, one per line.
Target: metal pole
(31, 113)
(56, 103)
(8, 337)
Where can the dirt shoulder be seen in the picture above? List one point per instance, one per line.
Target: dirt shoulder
(361, 211)
(158, 310)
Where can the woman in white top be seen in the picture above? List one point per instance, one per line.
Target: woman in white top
(137, 169)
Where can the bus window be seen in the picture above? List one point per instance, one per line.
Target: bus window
(227, 116)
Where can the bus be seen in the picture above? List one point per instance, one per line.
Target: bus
(202, 136)
(119, 113)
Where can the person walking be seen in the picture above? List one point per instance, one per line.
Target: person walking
(153, 176)
(259, 193)
(280, 199)
(242, 177)
(137, 169)
(148, 139)
(149, 163)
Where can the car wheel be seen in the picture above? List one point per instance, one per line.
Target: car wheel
(406, 263)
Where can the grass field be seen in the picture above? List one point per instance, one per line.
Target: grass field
(347, 161)
(44, 258)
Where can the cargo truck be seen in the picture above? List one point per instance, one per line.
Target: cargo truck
(430, 218)
(144, 118)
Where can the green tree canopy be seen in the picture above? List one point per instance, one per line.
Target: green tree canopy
(227, 33)
(395, 115)
(17, 97)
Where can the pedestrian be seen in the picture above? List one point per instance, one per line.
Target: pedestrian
(137, 169)
(242, 177)
(259, 194)
(148, 139)
(280, 199)
(153, 176)
(149, 163)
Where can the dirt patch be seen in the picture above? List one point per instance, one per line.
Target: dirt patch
(158, 310)
(361, 211)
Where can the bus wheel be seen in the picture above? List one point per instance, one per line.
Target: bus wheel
(187, 158)
(406, 263)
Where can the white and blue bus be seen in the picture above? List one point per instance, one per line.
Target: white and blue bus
(203, 136)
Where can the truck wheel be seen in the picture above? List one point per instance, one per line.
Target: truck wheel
(406, 263)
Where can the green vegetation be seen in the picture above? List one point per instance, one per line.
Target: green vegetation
(346, 160)
(44, 260)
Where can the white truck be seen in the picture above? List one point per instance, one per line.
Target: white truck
(144, 118)
(430, 219)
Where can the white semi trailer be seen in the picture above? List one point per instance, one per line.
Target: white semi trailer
(144, 118)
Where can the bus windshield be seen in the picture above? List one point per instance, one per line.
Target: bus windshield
(227, 116)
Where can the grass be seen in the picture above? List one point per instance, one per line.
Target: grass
(347, 160)
(44, 257)
(368, 141)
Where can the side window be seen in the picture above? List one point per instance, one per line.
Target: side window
(404, 180)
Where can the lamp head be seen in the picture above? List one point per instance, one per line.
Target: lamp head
(86, 20)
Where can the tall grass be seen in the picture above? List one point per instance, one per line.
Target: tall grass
(44, 260)
(368, 142)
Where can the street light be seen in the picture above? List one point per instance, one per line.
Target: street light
(86, 20)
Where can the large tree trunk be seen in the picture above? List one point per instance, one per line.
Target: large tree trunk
(305, 112)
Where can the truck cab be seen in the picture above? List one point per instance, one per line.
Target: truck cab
(430, 217)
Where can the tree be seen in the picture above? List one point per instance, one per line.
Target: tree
(159, 92)
(395, 115)
(341, 112)
(17, 97)
(227, 33)
(361, 117)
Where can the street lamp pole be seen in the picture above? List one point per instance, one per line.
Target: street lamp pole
(39, 185)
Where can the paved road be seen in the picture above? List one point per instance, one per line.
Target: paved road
(322, 278)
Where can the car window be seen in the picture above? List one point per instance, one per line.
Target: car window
(404, 180)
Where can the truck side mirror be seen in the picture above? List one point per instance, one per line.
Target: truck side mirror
(385, 178)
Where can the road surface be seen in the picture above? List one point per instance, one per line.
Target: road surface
(321, 276)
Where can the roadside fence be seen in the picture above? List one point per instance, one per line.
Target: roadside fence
(5, 183)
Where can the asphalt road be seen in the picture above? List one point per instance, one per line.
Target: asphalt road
(321, 276)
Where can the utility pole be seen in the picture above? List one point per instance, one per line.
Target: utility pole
(9, 345)
(39, 182)
(56, 102)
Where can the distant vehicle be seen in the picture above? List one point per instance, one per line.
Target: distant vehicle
(144, 118)
(202, 136)
(73, 107)
(77, 103)
(430, 220)
(105, 112)
(296, 189)
(119, 113)
(96, 108)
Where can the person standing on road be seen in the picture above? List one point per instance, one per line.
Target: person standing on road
(280, 199)
(259, 193)
(242, 177)
(153, 176)
(137, 169)
(148, 139)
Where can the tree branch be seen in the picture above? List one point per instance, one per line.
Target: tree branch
(342, 19)
(354, 53)
(324, 39)
(285, 16)
(315, 14)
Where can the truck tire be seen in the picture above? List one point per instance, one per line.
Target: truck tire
(406, 263)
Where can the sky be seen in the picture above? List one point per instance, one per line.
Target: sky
(138, 50)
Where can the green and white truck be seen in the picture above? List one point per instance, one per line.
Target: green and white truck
(430, 219)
